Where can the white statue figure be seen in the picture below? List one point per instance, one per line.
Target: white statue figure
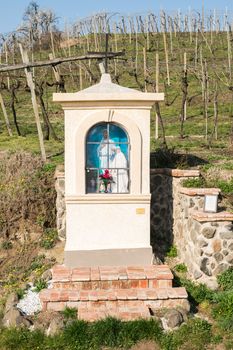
(105, 151)
(119, 172)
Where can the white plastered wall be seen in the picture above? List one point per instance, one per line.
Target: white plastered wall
(78, 122)
(91, 224)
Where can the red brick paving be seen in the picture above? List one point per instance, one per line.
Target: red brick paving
(123, 292)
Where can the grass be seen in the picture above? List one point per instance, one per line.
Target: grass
(109, 333)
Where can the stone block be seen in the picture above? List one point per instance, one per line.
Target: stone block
(204, 268)
(208, 232)
(197, 274)
(229, 259)
(202, 243)
(218, 257)
(226, 235)
(220, 268)
(217, 245)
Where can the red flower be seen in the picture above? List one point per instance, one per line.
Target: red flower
(106, 175)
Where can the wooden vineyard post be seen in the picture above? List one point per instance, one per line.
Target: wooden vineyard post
(5, 115)
(34, 102)
(147, 33)
(185, 76)
(166, 57)
(136, 58)
(229, 51)
(52, 41)
(55, 69)
(6, 55)
(184, 88)
(206, 85)
(144, 67)
(196, 49)
(170, 31)
(157, 90)
(216, 111)
(80, 78)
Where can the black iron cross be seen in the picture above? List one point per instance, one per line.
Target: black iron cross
(106, 53)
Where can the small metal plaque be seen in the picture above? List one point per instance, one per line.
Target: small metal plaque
(211, 203)
(140, 211)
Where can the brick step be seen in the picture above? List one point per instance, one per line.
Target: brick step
(124, 313)
(52, 295)
(93, 278)
(124, 304)
(115, 284)
(127, 293)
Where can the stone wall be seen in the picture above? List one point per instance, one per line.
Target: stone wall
(60, 202)
(204, 241)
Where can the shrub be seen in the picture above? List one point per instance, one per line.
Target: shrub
(37, 262)
(26, 191)
(106, 332)
(181, 268)
(77, 335)
(6, 245)
(21, 339)
(69, 313)
(172, 253)
(49, 239)
(194, 335)
(40, 284)
(225, 279)
(135, 331)
(199, 182)
(20, 293)
(223, 309)
(226, 187)
(197, 292)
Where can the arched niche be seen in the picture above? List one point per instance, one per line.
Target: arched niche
(134, 136)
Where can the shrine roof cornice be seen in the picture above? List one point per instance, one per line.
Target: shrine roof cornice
(106, 91)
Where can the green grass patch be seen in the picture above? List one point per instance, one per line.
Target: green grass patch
(181, 268)
(196, 183)
(172, 252)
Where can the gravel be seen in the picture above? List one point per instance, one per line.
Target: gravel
(30, 303)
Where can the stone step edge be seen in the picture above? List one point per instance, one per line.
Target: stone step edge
(199, 191)
(60, 273)
(202, 216)
(51, 295)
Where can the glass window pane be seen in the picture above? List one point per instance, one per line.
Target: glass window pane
(92, 181)
(96, 133)
(92, 159)
(120, 181)
(117, 134)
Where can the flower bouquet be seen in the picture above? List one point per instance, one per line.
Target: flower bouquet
(106, 179)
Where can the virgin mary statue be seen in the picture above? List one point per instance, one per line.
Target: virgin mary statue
(119, 172)
(105, 151)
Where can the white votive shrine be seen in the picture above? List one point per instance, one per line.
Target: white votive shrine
(107, 175)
